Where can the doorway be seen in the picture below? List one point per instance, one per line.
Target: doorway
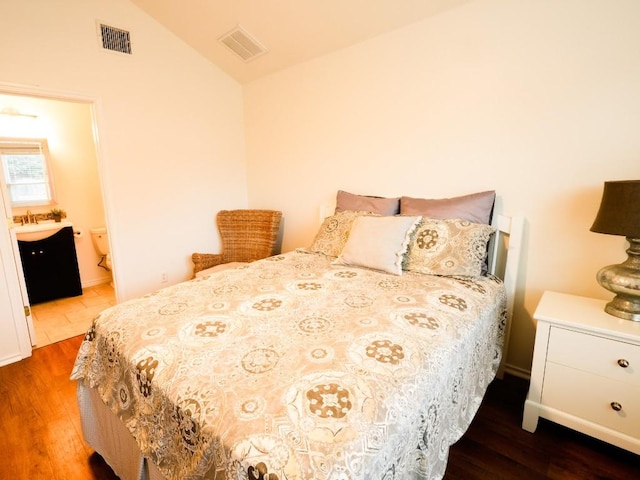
(68, 123)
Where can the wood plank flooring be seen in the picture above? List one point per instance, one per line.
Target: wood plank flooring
(41, 436)
(495, 446)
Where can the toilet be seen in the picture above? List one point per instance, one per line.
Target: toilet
(100, 240)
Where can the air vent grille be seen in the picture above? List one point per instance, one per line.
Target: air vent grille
(115, 39)
(243, 44)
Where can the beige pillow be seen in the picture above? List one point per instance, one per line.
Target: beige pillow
(448, 247)
(378, 242)
(475, 207)
(333, 233)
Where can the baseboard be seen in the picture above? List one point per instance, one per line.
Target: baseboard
(96, 281)
(517, 372)
(11, 359)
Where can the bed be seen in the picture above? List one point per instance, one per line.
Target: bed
(306, 365)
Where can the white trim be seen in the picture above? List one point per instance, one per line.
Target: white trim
(97, 123)
(30, 146)
(12, 265)
(504, 262)
(96, 281)
(35, 91)
(11, 276)
(517, 371)
(12, 359)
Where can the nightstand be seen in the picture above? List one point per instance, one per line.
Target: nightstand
(586, 370)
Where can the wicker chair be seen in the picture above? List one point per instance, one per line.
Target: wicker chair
(246, 235)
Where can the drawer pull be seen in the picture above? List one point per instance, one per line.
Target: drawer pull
(616, 406)
(624, 363)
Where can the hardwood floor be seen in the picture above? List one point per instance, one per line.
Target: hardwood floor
(495, 447)
(41, 436)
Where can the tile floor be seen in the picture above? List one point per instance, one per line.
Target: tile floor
(67, 317)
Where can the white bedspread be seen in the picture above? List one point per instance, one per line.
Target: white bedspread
(294, 368)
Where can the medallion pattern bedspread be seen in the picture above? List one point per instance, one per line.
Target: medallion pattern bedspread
(295, 368)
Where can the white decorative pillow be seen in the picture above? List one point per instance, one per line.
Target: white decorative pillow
(333, 233)
(448, 247)
(378, 242)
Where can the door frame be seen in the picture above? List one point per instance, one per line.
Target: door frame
(12, 277)
(11, 263)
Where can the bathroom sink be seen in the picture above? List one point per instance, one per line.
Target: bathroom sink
(38, 231)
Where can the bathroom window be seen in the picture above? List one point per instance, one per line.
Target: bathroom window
(26, 168)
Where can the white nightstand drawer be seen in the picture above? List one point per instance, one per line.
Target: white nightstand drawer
(584, 361)
(602, 356)
(593, 398)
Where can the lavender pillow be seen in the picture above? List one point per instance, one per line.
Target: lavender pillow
(476, 207)
(364, 203)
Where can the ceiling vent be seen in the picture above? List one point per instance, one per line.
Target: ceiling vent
(114, 39)
(243, 44)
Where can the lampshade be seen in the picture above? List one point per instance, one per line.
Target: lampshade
(619, 212)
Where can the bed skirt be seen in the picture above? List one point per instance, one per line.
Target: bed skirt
(109, 437)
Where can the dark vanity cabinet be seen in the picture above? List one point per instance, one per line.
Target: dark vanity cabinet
(50, 267)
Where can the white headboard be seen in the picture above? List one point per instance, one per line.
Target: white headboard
(504, 262)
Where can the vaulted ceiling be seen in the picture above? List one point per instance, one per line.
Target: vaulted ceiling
(292, 31)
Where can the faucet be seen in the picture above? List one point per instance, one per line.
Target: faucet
(31, 218)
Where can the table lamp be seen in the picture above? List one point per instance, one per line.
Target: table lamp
(619, 214)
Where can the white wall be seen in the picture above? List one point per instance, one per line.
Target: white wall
(539, 100)
(77, 182)
(170, 132)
